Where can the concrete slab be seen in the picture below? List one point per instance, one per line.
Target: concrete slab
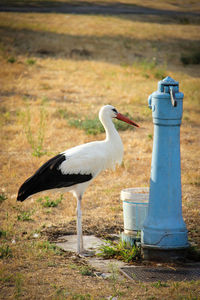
(69, 243)
(104, 267)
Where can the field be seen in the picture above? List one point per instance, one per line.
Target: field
(57, 70)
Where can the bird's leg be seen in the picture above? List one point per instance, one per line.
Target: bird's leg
(80, 248)
(79, 226)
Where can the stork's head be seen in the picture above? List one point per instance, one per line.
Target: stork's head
(109, 111)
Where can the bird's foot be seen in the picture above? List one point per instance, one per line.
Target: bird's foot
(86, 253)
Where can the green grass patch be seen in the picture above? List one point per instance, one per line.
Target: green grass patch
(94, 126)
(5, 251)
(25, 215)
(90, 126)
(46, 246)
(86, 271)
(30, 61)
(83, 270)
(47, 202)
(11, 60)
(120, 251)
(159, 284)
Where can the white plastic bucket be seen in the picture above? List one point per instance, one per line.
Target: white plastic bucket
(135, 207)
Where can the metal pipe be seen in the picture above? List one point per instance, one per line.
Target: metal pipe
(164, 228)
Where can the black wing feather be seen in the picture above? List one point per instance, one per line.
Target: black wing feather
(49, 176)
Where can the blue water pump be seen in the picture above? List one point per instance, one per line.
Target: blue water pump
(164, 234)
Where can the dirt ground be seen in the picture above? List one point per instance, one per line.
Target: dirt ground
(57, 70)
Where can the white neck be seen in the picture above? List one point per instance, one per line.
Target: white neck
(112, 142)
(111, 132)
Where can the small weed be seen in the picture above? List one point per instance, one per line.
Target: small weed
(83, 270)
(30, 61)
(11, 60)
(120, 251)
(114, 270)
(51, 264)
(176, 284)
(159, 284)
(36, 142)
(5, 251)
(86, 271)
(107, 251)
(3, 197)
(25, 216)
(47, 202)
(150, 136)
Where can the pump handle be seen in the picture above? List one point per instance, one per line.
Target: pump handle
(173, 98)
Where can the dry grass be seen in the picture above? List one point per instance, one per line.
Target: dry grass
(78, 64)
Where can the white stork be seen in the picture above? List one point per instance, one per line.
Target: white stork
(74, 169)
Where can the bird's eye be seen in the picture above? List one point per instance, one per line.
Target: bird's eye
(114, 110)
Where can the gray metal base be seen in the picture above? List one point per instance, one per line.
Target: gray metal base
(164, 255)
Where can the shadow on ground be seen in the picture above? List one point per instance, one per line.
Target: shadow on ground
(97, 8)
(115, 49)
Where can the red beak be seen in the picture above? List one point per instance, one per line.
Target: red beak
(125, 119)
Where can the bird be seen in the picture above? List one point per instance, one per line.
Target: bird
(74, 169)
